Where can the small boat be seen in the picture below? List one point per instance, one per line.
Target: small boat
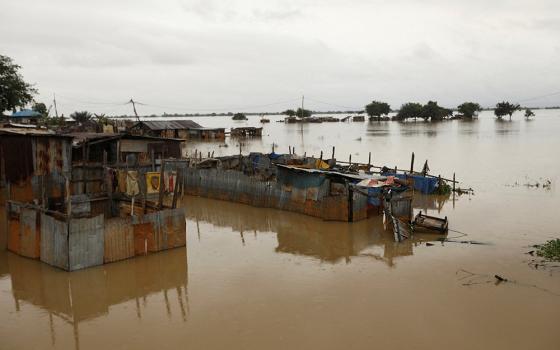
(424, 222)
(264, 120)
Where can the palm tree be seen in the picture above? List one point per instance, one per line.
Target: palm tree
(81, 117)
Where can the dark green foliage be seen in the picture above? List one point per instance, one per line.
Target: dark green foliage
(432, 111)
(289, 112)
(529, 113)
(40, 107)
(469, 109)
(239, 116)
(303, 113)
(505, 108)
(14, 92)
(377, 109)
(409, 110)
(81, 117)
(550, 250)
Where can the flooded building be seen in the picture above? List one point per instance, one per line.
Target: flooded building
(248, 131)
(261, 181)
(181, 129)
(70, 199)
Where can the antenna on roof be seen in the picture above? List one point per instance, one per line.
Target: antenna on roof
(134, 108)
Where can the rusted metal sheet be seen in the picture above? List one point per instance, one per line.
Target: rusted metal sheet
(13, 235)
(30, 236)
(119, 239)
(143, 236)
(54, 242)
(86, 242)
(173, 228)
(158, 231)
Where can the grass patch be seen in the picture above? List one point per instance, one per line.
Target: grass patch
(550, 250)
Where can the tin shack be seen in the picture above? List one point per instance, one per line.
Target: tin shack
(181, 129)
(70, 199)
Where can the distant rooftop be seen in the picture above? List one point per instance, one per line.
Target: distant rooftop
(157, 125)
(25, 113)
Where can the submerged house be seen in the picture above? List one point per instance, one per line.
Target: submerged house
(181, 129)
(70, 199)
(262, 181)
(248, 131)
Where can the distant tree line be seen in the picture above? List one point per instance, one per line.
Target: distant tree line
(16, 93)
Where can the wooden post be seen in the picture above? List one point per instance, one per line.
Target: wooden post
(304, 155)
(412, 164)
(145, 195)
(161, 185)
(395, 170)
(176, 188)
(289, 149)
(208, 154)
(369, 160)
(212, 154)
(68, 199)
(333, 148)
(350, 159)
(195, 154)
(108, 181)
(153, 158)
(293, 150)
(453, 182)
(273, 147)
(239, 147)
(321, 156)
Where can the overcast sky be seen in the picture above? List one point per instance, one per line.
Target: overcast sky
(205, 55)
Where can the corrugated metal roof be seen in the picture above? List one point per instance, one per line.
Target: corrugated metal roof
(25, 113)
(169, 124)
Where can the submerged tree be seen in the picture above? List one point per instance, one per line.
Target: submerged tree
(434, 112)
(303, 113)
(289, 112)
(239, 116)
(14, 91)
(81, 117)
(376, 109)
(409, 110)
(529, 113)
(469, 109)
(505, 108)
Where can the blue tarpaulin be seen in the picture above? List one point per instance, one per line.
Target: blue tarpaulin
(426, 185)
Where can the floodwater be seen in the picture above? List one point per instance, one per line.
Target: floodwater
(254, 278)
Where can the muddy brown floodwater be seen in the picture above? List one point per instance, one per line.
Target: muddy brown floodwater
(253, 278)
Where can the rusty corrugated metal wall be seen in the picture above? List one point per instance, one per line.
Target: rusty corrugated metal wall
(234, 186)
(86, 242)
(119, 239)
(54, 242)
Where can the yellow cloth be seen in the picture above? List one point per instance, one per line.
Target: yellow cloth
(152, 182)
(132, 188)
(319, 164)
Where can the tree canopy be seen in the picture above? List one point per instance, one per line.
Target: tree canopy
(505, 108)
(529, 113)
(469, 109)
(40, 107)
(289, 112)
(409, 110)
(14, 91)
(377, 109)
(239, 116)
(303, 113)
(434, 112)
(81, 117)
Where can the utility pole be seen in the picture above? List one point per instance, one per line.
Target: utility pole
(134, 108)
(54, 101)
